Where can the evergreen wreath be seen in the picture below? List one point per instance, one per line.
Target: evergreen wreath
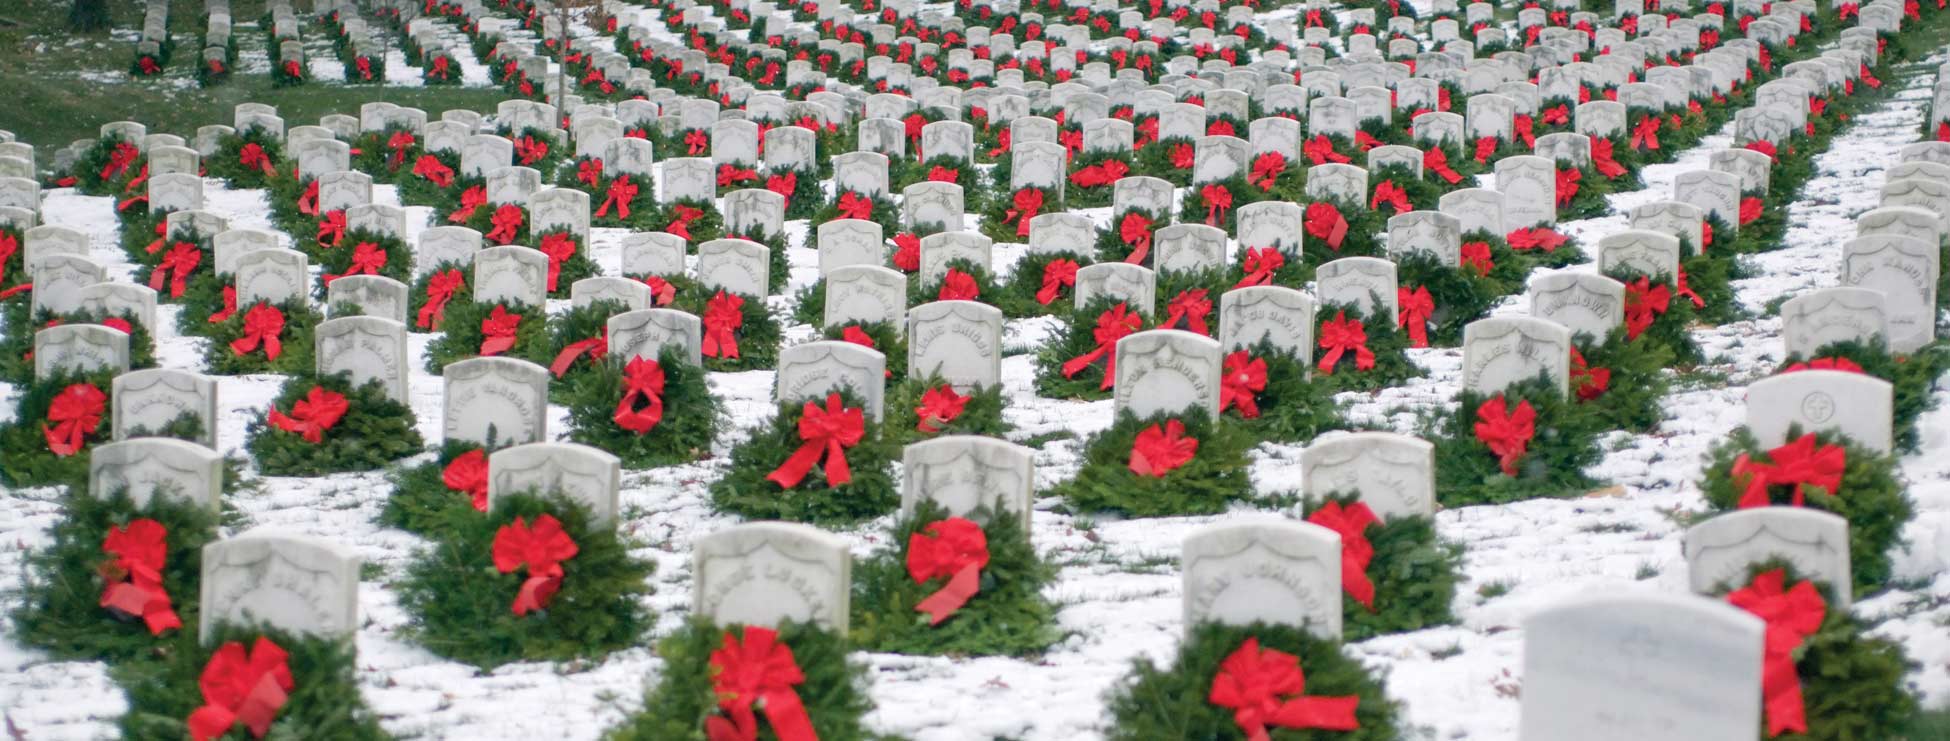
(1871, 497)
(883, 209)
(1423, 194)
(397, 262)
(416, 189)
(985, 290)
(418, 295)
(1913, 378)
(1293, 269)
(1631, 396)
(691, 416)
(1017, 296)
(1851, 682)
(1414, 572)
(758, 335)
(1076, 339)
(996, 220)
(1671, 329)
(884, 339)
(1290, 408)
(17, 341)
(1196, 208)
(295, 341)
(1590, 200)
(1156, 160)
(981, 413)
(1009, 616)
(1170, 702)
(375, 430)
(834, 691)
(422, 501)
(1216, 475)
(94, 171)
(29, 460)
(1463, 293)
(1111, 246)
(1564, 443)
(1388, 343)
(809, 303)
(871, 491)
(460, 601)
(695, 219)
(573, 268)
(463, 333)
(1076, 195)
(61, 609)
(324, 701)
(578, 325)
(228, 163)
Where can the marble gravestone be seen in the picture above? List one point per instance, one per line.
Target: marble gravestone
(1265, 569)
(294, 583)
(150, 467)
(1721, 550)
(770, 573)
(1502, 351)
(1168, 372)
(145, 401)
(495, 401)
(969, 476)
(588, 476)
(1858, 406)
(1393, 474)
(959, 341)
(808, 372)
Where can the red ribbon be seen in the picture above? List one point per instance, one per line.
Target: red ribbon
(1798, 464)
(542, 548)
(1834, 364)
(312, 416)
(365, 67)
(959, 286)
(1750, 208)
(1266, 170)
(119, 160)
(1218, 201)
(1027, 202)
(1058, 274)
(1507, 433)
(1764, 147)
(331, 228)
(1341, 335)
(507, 224)
(439, 70)
(1112, 325)
(1160, 450)
(1436, 161)
(730, 174)
(1791, 614)
(1325, 222)
(559, 247)
(696, 142)
(1191, 306)
(176, 268)
(528, 150)
(75, 412)
(1521, 124)
(1644, 302)
(470, 199)
(1135, 230)
(1320, 150)
(262, 326)
(1100, 174)
(498, 331)
(1182, 155)
(1535, 238)
(661, 291)
(241, 687)
(1601, 158)
(137, 181)
(1239, 386)
(1591, 382)
(440, 289)
(757, 671)
(955, 549)
(132, 581)
(826, 432)
(308, 201)
(1265, 687)
(1870, 78)
(1002, 144)
(1485, 147)
(1476, 255)
(1413, 310)
(595, 347)
(621, 193)
(399, 143)
(229, 306)
(642, 405)
(939, 406)
(783, 185)
(907, 252)
(681, 224)
(1365, 141)
(590, 172)
(1260, 266)
(252, 156)
(1567, 185)
(468, 474)
(1557, 115)
(854, 206)
(1351, 522)
(1390, 194)
(723, 315)
(367, 259)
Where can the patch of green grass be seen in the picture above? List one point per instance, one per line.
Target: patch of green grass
(1040, 440)
(1929, 725)
(1609, 527)
(1647, 570)
(1495, 589)
(1452, 651)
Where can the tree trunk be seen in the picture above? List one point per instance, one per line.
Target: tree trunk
(88, 15)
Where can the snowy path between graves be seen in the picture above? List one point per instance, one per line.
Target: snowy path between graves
(1119, 586)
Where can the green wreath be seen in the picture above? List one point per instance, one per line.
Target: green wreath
(1913, 376)
(692, 416)
(1634, 396)
(1389, 344)
(294, 356)
(1075, 340)
(462, 334)
(1009, 616)
(375, 431)
(744, 490)
(758, 337)
(1016, 296)
(1217, 475)
(1564, 444)
(1414, 572)
(982, 414)
(1292, 408)
(324, 701)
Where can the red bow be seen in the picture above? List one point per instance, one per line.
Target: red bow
(730, 174)
(1112, 325)
(1320, 150)
(470, 199)
(723, 315)
(859, 336)
(1135, 230)
(133, 579)
(252, 156)
(241, 687)
(507, 224)
(1220, 128)
(137, 181)
(826, 432)
(661, 291)
(1325, 222)
(1764, 147)
(590, 172)
(854, 206)
(528, 149)
(542, 548)
(1365, 141)
(1413, 310)
(1869, 77)
(783, 185)
(1261, 263)
(1557, 115)
(559, 247)
(308, 201)
(1521, 124)
(1791, 614)
(1943, 131)
(1266, 170)
(1391, 194)
(176, 267)
(940, 174)
(262, 325)
(1002, 144)
(119, 160)
(595, 347)
(956, 549)
(1244, 378)
(1567, 185)
(1476, 255)
(1798, 464)
(312, 416)
(468, 474)
(75, 412)
(1601, 158)
(1100, 174)
(1191, 306)
(1218, 200)
(498, 331)
(1252, 682)
(1341, 335)
(439, 70)
(1644, 302)
(1058, 274)
(959, 286)
(681, 225)
(907, 252)
(1027, 202)
(440, 289)
(9, 246)
(1182, 156)
(1506, 433)
(331, 228)
(229, 306)
(430, 167)
(399, 143)
(1485, 147)
(1158, 451)
(1535, 238)
(367, 259)
(620, 194)
(1147, 132)
(1436, 161)
(365, 67)
(1749, 209)
(1591, 382)
(1351, 522)
(757, 671)
(696, 142)
(939, 406)
(643, 383)
(1834, 364)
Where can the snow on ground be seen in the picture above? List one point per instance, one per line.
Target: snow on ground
(1118, 586)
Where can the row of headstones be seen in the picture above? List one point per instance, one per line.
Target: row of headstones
(154, 40)
(217, 28)
(1888, 280)
(435, 36)
(286, 32)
